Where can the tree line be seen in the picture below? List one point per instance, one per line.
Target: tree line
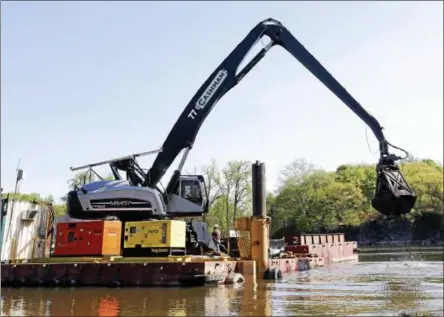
(78, 179)
(307, 198)
(311, 199)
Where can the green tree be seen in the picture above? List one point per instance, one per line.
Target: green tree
(426, 180)
(60, 210)
(82, 178)
(318, 201)
(30, 197)
(298, 203)
(218, 214)
(271, 204)
(235, 187)
(343, 204)
(240, 174)
(295, 172)
(211, 175)
(362, 176)
(228, 188)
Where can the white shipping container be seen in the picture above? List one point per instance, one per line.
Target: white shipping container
(25, 227)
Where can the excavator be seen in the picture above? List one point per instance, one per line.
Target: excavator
(139, 196)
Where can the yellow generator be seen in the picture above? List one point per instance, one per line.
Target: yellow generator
(154, 238)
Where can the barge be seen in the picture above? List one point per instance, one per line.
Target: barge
(244, 264)
(174, 271)
(112, 253)
(186, 270)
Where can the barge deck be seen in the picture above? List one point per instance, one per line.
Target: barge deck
(170, 271)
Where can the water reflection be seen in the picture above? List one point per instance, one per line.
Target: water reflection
(109, 306)
(406, 295)
(375, 288)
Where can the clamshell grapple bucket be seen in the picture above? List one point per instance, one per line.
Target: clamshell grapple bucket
(393, 194)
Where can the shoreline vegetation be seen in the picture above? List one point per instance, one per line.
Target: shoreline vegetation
(309, 199)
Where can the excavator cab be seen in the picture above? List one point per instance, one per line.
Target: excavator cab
(393, 196)
(193, 189)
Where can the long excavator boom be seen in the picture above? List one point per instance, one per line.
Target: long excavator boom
(393, 194)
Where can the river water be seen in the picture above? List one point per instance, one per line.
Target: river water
(376, 285)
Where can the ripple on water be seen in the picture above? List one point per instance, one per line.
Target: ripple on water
(382, 287)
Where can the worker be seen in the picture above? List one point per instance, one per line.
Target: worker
(216, 234)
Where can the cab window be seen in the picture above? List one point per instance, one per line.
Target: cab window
(190, 190)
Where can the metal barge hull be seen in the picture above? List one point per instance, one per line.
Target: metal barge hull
(138, 272)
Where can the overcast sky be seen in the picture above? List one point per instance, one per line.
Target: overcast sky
(84, 82)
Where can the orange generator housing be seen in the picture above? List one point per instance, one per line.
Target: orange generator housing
(88, 238)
